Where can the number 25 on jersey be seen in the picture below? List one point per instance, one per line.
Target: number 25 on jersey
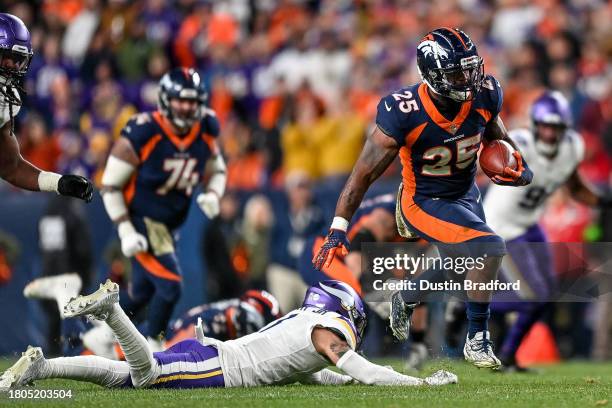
(466, 150)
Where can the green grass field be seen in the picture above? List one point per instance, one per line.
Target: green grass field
(565, 385)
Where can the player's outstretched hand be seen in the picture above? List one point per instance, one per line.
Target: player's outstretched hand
(75, 186)
(336, 239)
(209, 204)
(519, 177)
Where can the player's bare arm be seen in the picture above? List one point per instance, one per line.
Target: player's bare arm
(329, 344)
(338, 352)
(13, 167)
(21, 173)
(377, 154)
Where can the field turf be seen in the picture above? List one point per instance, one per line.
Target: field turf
(574, 384)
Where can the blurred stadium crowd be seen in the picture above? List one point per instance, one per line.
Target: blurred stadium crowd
(295, 85)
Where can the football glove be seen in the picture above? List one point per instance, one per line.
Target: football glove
(335, 240)
(209, 204)
(132, 242)
(75, 186)
(519, 177)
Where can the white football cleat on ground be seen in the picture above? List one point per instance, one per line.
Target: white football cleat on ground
(98, 304)
(24, 370)
(49, 287)
(479, 351)
(441, 377)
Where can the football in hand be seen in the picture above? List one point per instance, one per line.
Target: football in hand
(495, 157)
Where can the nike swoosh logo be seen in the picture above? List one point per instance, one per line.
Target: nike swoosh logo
(388, 107)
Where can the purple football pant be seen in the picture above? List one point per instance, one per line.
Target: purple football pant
(188, 364)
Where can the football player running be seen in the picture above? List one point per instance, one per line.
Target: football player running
(148, 182)
(325, 331)
(437, 127)
(15, 56)
(555, 151)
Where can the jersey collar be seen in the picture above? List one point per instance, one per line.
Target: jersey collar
(450, 126)
(181, 143)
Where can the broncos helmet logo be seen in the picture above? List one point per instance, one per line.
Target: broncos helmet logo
(429, 47)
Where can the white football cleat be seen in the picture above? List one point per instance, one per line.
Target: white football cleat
(479, 351)
(97, 305)
(24, 371)
(49, 287)
(441, 377)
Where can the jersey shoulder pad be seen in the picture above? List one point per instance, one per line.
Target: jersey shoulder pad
(139, 129)
(491, 95)
(341, 326)
(210, 123)
(396, 113)
(577, 144)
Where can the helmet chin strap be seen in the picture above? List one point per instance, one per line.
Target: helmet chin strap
(452, 94)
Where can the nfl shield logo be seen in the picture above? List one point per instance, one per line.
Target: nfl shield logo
(453, 128)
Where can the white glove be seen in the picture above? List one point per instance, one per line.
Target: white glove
(132, 242)
(209, 204)
(199, 333)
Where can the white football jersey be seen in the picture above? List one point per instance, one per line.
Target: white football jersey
(5, 111)
(282, 352)
(510, 211)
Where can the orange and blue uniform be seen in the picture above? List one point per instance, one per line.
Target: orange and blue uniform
(439, 200)
(158, 197)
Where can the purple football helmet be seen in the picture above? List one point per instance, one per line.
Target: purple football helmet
(339, 297)
(552, 110)
(15, 55)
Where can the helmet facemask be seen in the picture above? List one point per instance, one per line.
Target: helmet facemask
(183, 123)
(14, 64)
(460, 83)
(173, 89)
(551, 146)
(359, 320)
